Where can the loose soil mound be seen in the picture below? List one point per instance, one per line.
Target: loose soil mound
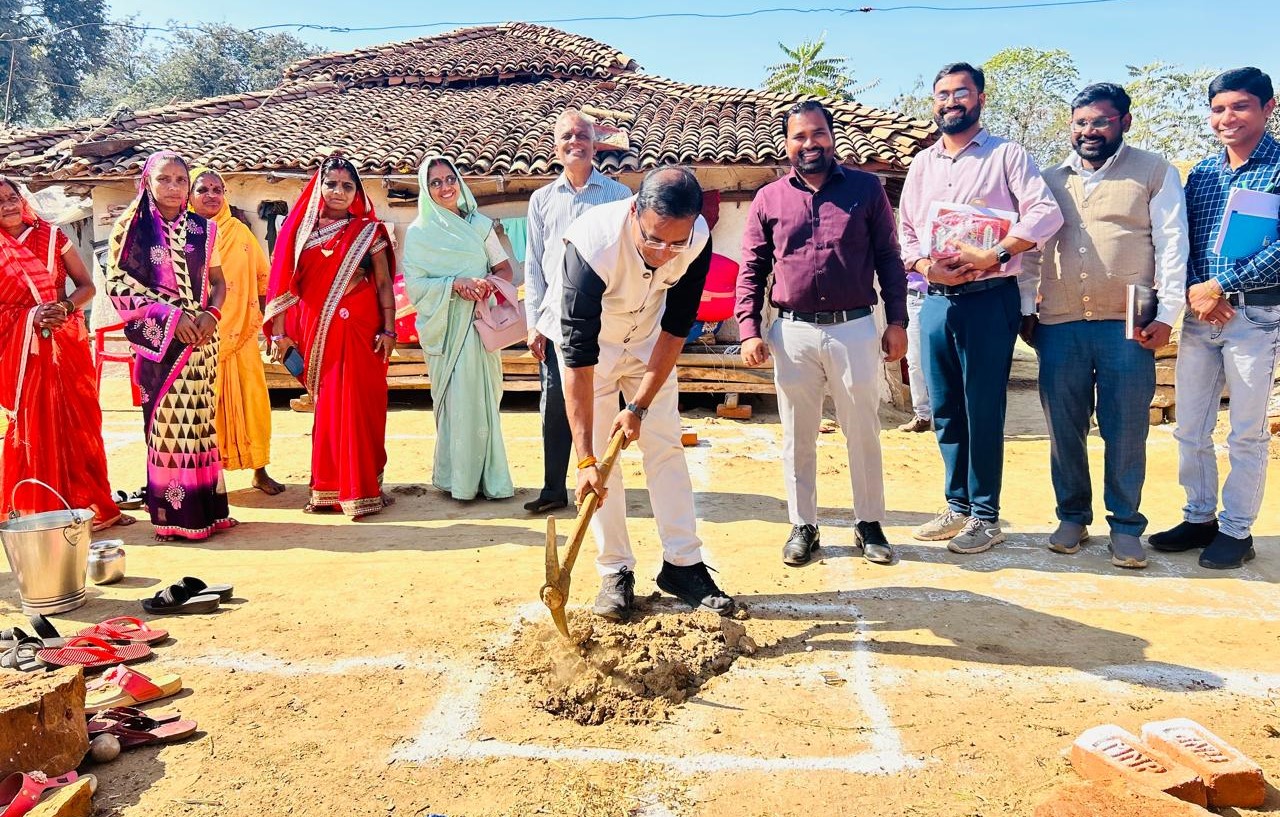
(631, 673)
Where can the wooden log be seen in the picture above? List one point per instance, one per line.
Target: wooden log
(42, 724)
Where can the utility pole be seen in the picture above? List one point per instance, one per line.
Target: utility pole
(8, 88)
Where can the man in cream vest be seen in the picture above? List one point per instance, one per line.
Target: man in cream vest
(1125, 223)
(618, 309)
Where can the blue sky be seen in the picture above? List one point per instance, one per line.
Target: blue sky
(895, 47)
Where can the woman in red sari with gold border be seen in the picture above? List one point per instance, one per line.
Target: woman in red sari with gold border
(331, 296)
(47, 384)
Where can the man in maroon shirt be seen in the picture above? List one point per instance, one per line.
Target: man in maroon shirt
(824, 232)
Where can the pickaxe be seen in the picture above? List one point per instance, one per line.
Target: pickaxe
(555, 593)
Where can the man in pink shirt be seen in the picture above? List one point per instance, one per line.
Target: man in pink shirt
(976, 300)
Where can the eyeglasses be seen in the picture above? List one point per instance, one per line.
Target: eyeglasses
(672, 246)
(1097, 123)
(959, 95)
(450, 181)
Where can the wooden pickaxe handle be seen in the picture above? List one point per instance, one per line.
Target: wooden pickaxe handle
(589, 505)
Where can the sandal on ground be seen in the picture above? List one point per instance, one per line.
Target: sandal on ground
(141, 730)
(21, 655)
(197, 587)
(19, 793)
(176, 599)
(122, 520)
(127, 629)
(130, 502)
(45, 630)
(120, 713)
(121, 686)
(92, 653)
(12, 636)
(312, 507)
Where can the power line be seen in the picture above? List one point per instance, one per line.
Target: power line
(728, 15)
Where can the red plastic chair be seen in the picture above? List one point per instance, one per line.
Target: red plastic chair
(101, 355)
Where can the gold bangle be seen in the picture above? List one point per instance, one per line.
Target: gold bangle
(586, 462)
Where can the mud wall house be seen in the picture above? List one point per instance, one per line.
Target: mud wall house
(485, 96)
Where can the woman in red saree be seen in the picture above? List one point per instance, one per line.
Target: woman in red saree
(330, 296)
(47, 384)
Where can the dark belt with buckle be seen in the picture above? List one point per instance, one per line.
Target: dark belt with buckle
(825, 318)
(1268, 296)
(971, 287)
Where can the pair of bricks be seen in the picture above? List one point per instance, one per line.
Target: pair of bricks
(1179, 757)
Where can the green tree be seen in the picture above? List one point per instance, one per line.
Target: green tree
(1170, 115)
(1028, 99)
(1273, 124)
(46, 47)
(214, 60)
(807, 72)
(916, 102)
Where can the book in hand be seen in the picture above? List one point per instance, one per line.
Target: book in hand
(1249, 223)
(1140, 309)
(952, 224)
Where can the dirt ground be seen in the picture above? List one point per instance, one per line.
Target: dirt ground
(355, 672)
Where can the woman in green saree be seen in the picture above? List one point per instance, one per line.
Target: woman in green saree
(449, 250)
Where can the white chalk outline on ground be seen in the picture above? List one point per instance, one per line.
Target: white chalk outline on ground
(447, 729)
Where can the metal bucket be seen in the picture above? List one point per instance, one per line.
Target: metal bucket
(49, 553)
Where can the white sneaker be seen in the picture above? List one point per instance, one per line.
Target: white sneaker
(978, 535)
(943, 526)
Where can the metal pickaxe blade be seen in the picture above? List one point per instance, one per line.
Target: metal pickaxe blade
(555, 593)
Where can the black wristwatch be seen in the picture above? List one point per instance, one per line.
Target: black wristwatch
(1002, 255)
(640, 413)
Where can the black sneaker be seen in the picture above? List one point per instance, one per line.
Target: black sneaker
(1227, 552)
(617, 596)
(1184, 536)
(798, 550)
(875, 547)
(694, 586)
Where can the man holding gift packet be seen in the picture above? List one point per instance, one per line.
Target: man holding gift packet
(975, 303)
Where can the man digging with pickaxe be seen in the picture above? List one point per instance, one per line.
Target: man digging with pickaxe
(618, 310)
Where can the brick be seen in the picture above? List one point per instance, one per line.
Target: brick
(1155, 416)
(1164, 397)
(688, 437)
(1164, 373)
(1108, 752)
(1230, 777)
(1114, 798)
(1169, 350)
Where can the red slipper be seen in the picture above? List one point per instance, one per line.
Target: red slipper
(143, 730)
(92, 653)
(126, 628)
(96, 724)
(20, 792)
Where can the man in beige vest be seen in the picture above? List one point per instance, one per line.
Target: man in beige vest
(1125, 223)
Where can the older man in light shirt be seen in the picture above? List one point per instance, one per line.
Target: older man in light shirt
(975, 302)
(551, 210)
(1126, 223)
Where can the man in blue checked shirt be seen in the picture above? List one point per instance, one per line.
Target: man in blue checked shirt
(1231, 334)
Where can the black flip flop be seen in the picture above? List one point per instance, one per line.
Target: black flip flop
(21, 656)
(45, 631)
(176, 599)
(196, 587)
(130, 502)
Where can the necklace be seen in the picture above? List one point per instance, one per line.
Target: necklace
(330, 246)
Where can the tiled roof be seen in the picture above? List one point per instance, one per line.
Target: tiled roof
(487, 96)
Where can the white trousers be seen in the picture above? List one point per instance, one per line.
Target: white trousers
(665, 470)
(844, 358)
(915, 355)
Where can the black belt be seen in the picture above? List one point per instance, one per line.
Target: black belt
(971, 287)
(1268, 296)
(825, 318)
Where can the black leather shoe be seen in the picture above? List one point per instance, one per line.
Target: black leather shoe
(542, 505)
(1227, 552)
(875, 547)
(693, 585)
(617, 596)
(1184, 536)
(804, 540)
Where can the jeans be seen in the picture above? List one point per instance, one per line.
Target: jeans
(915, 352)
(1242, 355)
(969, 350)
(1078, 360)
(557, 441)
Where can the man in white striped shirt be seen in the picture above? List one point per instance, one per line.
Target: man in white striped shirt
(551, 210)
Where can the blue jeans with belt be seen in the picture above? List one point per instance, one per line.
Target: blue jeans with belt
(968, 340)
(1087, 366)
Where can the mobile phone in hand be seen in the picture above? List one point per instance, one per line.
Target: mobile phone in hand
(293, 362)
